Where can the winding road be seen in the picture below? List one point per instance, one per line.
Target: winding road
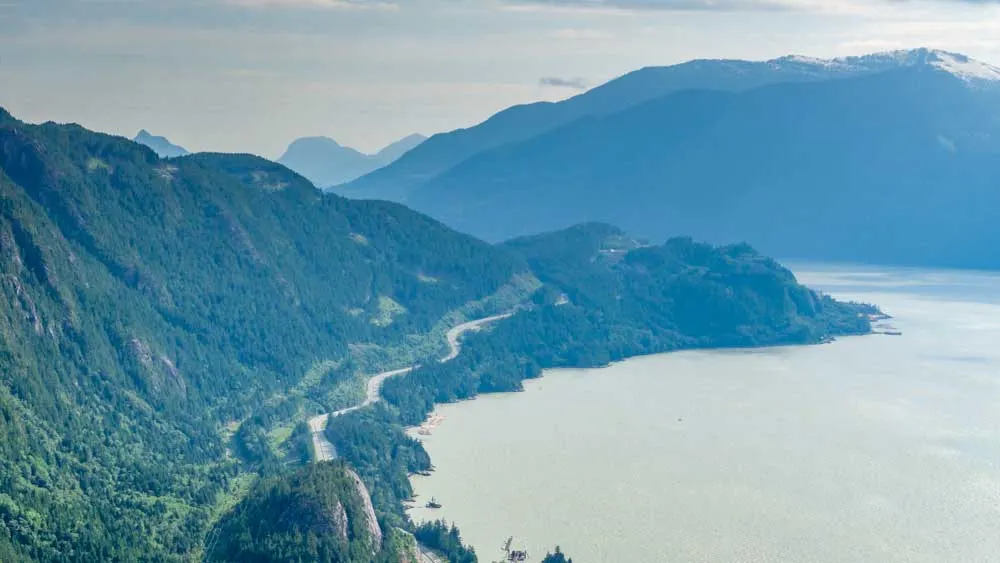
(373, 389)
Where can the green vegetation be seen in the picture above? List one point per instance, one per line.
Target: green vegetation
(607, 298)
(382, 454)
(143, 313)
(318, 513)
(445, 540)
(557, 557)
(387, 309)
(166, 330)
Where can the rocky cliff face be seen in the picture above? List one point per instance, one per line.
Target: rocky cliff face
(371, 521)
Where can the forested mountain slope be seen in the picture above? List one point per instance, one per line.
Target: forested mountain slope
(899, 167)
(320, 512)
(165, 323)
(608, 297)
(147, 303)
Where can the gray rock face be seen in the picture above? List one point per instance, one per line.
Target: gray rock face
(339, 521)
(371, 520)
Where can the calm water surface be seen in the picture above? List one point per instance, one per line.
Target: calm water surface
(872, 449)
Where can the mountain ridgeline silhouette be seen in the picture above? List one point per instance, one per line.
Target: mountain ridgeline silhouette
(889, 158)
(161, 145)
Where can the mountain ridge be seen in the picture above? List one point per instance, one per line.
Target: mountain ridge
(668, 167)
(521, 122)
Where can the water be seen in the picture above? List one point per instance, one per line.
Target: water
(872, 449)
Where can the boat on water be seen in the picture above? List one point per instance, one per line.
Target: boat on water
(433, 503)
(512, 555)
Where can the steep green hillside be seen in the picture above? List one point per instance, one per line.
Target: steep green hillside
(320, 513)
(148, 305)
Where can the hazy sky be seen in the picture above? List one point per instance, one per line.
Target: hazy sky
(251, 75)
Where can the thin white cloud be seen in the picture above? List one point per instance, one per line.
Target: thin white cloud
(557, 82)
(663, 5)
(582, 34)
(830, 7)
(325, 4)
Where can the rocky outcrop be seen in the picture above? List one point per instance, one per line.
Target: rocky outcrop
(371, 520)
(339, 521)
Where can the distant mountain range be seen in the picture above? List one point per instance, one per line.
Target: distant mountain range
(161, 145)
(326, 163)
(320, 160)
(891, 158)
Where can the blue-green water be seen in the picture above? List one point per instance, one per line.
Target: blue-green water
(880, 448)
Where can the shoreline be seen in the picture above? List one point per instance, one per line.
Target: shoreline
(323, 450)
(435, 418)
(862, 380)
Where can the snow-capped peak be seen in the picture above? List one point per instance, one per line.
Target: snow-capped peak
(964, 67)
(961, 66)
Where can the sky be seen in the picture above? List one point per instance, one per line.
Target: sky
(252, 75)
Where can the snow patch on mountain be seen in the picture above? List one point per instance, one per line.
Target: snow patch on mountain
(966, 68)
(839, 64)
(959, 65)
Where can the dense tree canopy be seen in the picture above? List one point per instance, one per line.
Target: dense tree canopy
(608, 297)
(152, 308)
(315, 514)
(557, 557)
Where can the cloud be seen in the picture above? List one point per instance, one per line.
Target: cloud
(556, 82)
(331, 4)
(665, 5)
(582, 34)
(822, 6)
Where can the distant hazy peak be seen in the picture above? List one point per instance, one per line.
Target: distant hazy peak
(327, 163)
(317, 141)
(413, 139)
(389, 153)
(395, 150)
(161, 145)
